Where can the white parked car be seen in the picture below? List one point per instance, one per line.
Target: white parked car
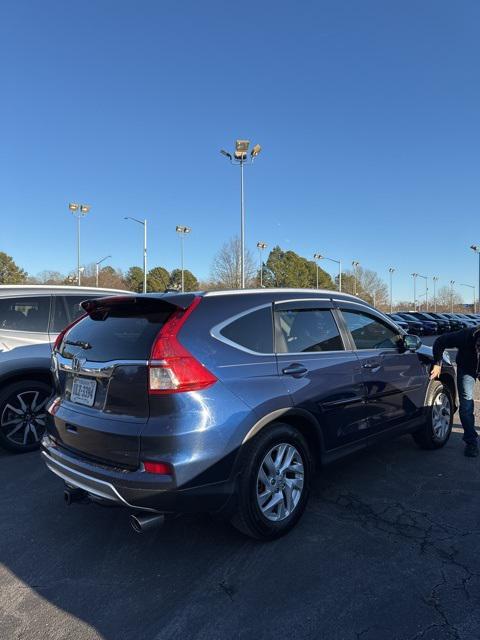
(31, 317)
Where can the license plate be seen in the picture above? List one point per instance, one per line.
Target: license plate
(83, 391)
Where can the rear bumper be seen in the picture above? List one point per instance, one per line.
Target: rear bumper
(136, 490)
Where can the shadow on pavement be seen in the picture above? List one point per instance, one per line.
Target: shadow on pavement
(388, 548)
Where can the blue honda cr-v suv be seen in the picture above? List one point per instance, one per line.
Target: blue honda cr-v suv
(227, 401)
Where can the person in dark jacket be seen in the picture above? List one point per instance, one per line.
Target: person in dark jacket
(467, 341)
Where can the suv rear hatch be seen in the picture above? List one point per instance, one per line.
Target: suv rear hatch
(101, 366)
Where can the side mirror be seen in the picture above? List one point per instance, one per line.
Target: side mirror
(411, 343)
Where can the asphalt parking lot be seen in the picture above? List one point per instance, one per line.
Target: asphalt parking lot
(388, 549)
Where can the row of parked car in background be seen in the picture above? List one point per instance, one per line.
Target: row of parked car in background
(422, 323)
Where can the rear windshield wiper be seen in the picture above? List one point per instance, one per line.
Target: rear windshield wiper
(79, 343)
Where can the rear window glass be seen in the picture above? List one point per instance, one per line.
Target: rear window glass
(29, 313)
(253, 331)
(116, 338)
(305, 330)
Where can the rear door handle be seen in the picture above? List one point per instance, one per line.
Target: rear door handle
(372, 365)
(296, 370)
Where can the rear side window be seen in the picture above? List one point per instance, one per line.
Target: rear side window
(253, 331)
(305, 330)
(118, 337)
(29, 313)
(369, 332)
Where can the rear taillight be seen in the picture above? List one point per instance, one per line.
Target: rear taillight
(173, 369)
(63, 333)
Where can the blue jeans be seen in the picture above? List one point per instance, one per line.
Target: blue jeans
(466, 384)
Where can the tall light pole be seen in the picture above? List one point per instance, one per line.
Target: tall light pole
(317, 257)
(426, 289)
(96, 268)
(182, 231)
(240, 157)
(261, 246)
(452, 282)
(79, 211)
(355, 265)
(144, 223)
(391, 271)
(471, 286)
(339, 262)
(476, 248)
(435, 280)
(414, 276)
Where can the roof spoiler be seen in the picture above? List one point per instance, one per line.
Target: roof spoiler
(98, 308)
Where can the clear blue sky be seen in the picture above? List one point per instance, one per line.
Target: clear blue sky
(367, 112)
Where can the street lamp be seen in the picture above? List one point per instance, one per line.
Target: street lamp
(414, 276)
(355, 265)
(240, 157)
(79, 211)
(452, 282)
(426, 289)
(182, 231)
(339, 262)
(391, 271)
(476, 248)
(144, 223)
(435, 280)
(261, 246)
(96, 268)
(317, 257)
(471, 286)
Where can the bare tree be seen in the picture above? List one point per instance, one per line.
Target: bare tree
(368, 285)
(225, 271)
(445, 297)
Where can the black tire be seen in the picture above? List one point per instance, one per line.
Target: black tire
(31, 422)
(428, 436)
(249, 518)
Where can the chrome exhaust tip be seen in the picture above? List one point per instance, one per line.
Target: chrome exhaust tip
(140, 524)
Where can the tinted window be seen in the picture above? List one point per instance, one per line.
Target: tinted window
(67, 309)
(304, 330)
(29, 313)
(252, 331)
(118, 337)
(369, 332)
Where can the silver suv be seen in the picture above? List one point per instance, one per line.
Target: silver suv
(31, 317)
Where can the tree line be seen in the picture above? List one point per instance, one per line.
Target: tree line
(281, 269)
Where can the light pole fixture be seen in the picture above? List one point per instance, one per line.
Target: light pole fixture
(471, 286)
(391, 271)
(240, 156)
(355, 265)
(414, 276)
(79, 211)
(144, 223)
(96, 268)
(435, 280)
(452, 282)
(261, 246)
(182, 231)
(339, 262)
(476, 248)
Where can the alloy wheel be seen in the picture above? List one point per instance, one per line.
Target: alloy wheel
(24, 417)
(441, 415)
(280, 482)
